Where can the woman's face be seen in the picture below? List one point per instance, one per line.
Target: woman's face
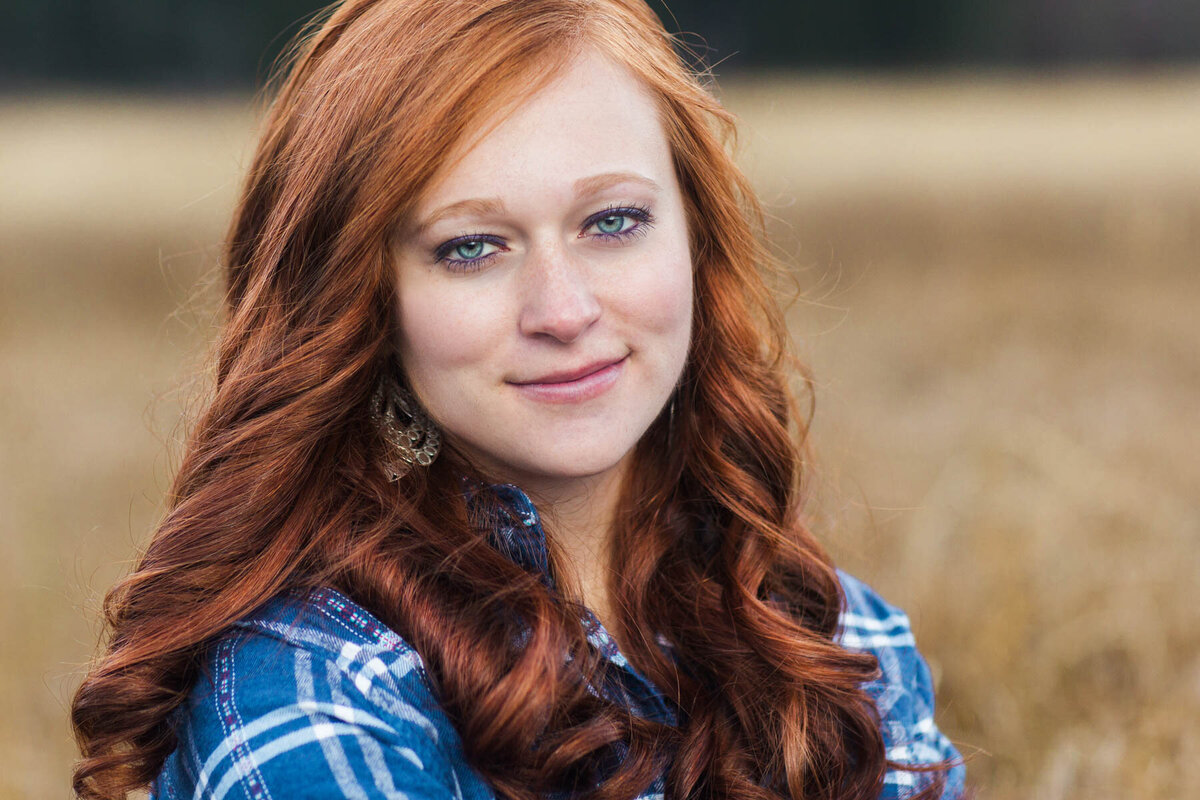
(545, 283)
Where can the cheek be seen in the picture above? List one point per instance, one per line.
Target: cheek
(443, 335)
(660, 298)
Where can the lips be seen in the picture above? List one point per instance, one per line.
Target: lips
(575, 385)
(571, 375)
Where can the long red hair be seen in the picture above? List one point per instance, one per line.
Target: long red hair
(281, 485)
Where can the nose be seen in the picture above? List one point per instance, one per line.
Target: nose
(557, 295)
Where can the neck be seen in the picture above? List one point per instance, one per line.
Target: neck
(579, 518)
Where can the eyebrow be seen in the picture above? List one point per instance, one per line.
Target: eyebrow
(485, 206)
(479, 206)
(598, 183)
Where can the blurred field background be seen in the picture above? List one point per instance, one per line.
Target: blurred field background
(1000, 303)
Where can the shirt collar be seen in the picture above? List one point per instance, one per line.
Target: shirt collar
(513, 524)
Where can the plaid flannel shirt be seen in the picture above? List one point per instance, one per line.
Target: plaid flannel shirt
(313, 697)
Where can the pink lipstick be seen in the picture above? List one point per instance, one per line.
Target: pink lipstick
(575, 385)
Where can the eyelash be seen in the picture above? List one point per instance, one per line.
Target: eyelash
(442, 254)
(641, 216)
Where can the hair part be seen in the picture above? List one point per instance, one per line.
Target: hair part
(281, 487)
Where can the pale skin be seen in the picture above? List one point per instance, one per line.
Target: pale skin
(545, 299)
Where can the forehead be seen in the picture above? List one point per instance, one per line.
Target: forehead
(593, 116)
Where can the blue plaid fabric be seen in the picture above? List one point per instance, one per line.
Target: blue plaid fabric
(313, 697)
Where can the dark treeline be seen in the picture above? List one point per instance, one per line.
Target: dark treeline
(232, 43)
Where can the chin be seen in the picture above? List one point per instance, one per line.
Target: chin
(576, 466)
(556, 466)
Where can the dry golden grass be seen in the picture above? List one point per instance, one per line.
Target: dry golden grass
(1000, 302)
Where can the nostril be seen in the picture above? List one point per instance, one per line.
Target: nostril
(561, 322)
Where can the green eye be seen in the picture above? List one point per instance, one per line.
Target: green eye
(617, 223)
(469, 250)
(611, 224)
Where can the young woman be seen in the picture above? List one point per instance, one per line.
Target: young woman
(498, 493)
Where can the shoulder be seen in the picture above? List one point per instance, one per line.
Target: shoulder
(312, 696)
(903, 690)
(868, 622)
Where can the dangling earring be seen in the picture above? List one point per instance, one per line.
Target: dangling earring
(412, 437)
